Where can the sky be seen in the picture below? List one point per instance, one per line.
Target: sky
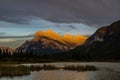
(20, 19)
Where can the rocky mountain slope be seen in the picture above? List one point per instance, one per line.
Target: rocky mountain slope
(103, 44)
(50, 42)
(7, 50)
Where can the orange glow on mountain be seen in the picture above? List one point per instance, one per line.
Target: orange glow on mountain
(67, 38)
(76, 39)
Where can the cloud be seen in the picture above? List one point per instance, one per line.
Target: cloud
(66, 27)
(26, 36)
(2, 33)
(69, 27)
(91, 12)
(11, 44)
(6, 35)
(13, 41)
(72, 27)
(17, 19)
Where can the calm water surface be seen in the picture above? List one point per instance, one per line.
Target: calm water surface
(107, 71)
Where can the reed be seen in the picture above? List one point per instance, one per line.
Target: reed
(20, 70)
(81, 68)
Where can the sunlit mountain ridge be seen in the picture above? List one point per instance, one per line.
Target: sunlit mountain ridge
(74, 39)
(50, 42)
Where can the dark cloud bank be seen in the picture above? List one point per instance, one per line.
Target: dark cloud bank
(91, 12)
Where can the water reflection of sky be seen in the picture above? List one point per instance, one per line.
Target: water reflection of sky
(59, 75)
(107, 71)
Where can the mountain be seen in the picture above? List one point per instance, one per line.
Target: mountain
(7, 50)
(103, 44)
(12, 44)
(50, 42)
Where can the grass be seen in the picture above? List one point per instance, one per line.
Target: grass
(12, 70)
(81, 68)
(49, 67)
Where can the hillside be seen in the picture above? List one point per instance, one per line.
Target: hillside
(50, 42)
(103, 44)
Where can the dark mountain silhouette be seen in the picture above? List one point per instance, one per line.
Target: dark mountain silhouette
(103, 44)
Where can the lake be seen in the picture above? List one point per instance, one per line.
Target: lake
(107, 71)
